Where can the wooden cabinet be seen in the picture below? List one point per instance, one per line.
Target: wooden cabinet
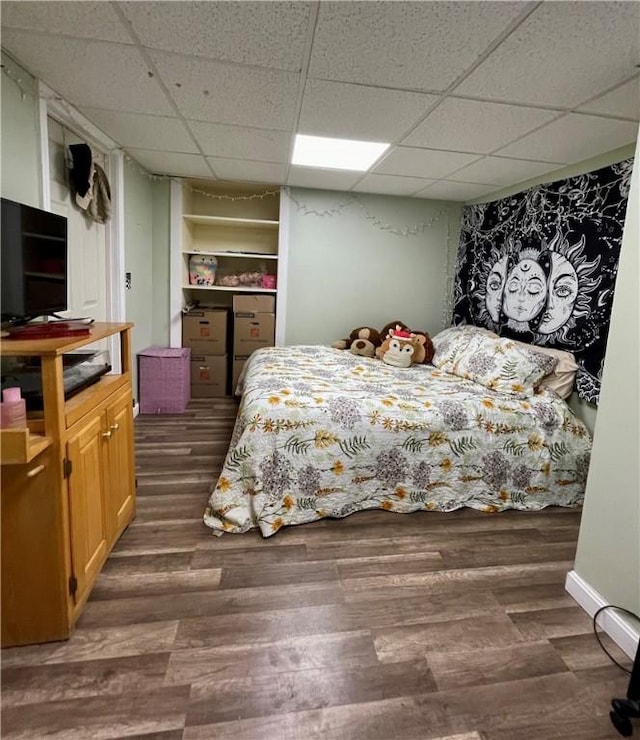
(120, 483)
(86, 465)
(34, 596)
(68, 491)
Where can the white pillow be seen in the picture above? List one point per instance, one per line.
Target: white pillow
(448, 342)
(562, 378)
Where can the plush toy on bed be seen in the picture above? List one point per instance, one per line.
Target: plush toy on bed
(363, 341)
(403, 348)
(392, 326)
(424, 353)
(424, 347)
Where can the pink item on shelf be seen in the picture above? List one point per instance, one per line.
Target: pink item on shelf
(13, 411)
(268, 281)
(164, 379)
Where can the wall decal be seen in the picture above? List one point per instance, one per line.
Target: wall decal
(540, 266)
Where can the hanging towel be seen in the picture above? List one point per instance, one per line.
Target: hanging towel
(100, 205)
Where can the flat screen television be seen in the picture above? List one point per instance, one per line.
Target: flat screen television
(33, 263)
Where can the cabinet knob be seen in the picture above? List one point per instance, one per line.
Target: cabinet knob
(32, 473)
(106, 435)
(115, 427)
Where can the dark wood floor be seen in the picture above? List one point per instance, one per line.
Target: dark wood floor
(375, 627)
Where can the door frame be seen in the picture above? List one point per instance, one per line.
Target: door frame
(50, 104)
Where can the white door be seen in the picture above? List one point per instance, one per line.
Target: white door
(87, 253)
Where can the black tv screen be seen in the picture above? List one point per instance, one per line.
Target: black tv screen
(33, 266)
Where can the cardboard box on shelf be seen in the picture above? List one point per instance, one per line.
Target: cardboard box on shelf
(208, 376)
(254, 303)
(205, 331)
(251, 331)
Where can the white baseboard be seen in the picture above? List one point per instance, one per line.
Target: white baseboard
(624, 634)
(136, 409)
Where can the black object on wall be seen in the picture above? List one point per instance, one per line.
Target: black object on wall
(540, 266)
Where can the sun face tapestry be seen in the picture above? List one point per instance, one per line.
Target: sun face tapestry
(540, 266)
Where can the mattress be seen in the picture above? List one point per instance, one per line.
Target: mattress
(323, 433)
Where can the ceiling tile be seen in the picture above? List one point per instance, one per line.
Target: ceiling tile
(132, 130)
(90, 73)
(267, 34)
(623, 101)
(171, 163)
(359, 112)
(226, 93)
(574, 137)
(561, 55)
(413, 45)
(391, 184)
(429, 163)
(501, 171)
(242, 169)
(306, 177)
(238, 142)
(456, 191)
(90, 20)
(472, 126)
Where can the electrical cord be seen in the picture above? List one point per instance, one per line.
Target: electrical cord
(595, 630)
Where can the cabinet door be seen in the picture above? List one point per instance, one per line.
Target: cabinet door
(34, 585)
(121, 480)
(88, 528)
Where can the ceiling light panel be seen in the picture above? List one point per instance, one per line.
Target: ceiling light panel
(336, 154)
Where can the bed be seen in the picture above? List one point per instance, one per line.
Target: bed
(323, 433)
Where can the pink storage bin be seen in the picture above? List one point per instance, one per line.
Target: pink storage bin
(164, 380)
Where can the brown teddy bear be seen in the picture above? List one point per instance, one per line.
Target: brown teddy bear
(424, 355)
(364, 340)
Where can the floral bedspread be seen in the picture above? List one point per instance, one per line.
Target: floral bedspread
(323, 433)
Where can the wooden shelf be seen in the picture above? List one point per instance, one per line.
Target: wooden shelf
(227, 288)
(228, 253)
(254, 223)
(59, 345)
(237, 231)
(20, 446)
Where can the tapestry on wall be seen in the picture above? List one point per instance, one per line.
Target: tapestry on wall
(540, 266)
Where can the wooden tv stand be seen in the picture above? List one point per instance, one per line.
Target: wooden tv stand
(68, 490)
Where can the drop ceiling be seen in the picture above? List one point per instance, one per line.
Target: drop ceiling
(473, 96)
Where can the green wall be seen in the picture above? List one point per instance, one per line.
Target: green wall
(19, 151)
(160, 248)
(608, 556)
(348, 268)
(138, 233)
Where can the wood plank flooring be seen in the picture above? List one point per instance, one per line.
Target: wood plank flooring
(376, 627)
